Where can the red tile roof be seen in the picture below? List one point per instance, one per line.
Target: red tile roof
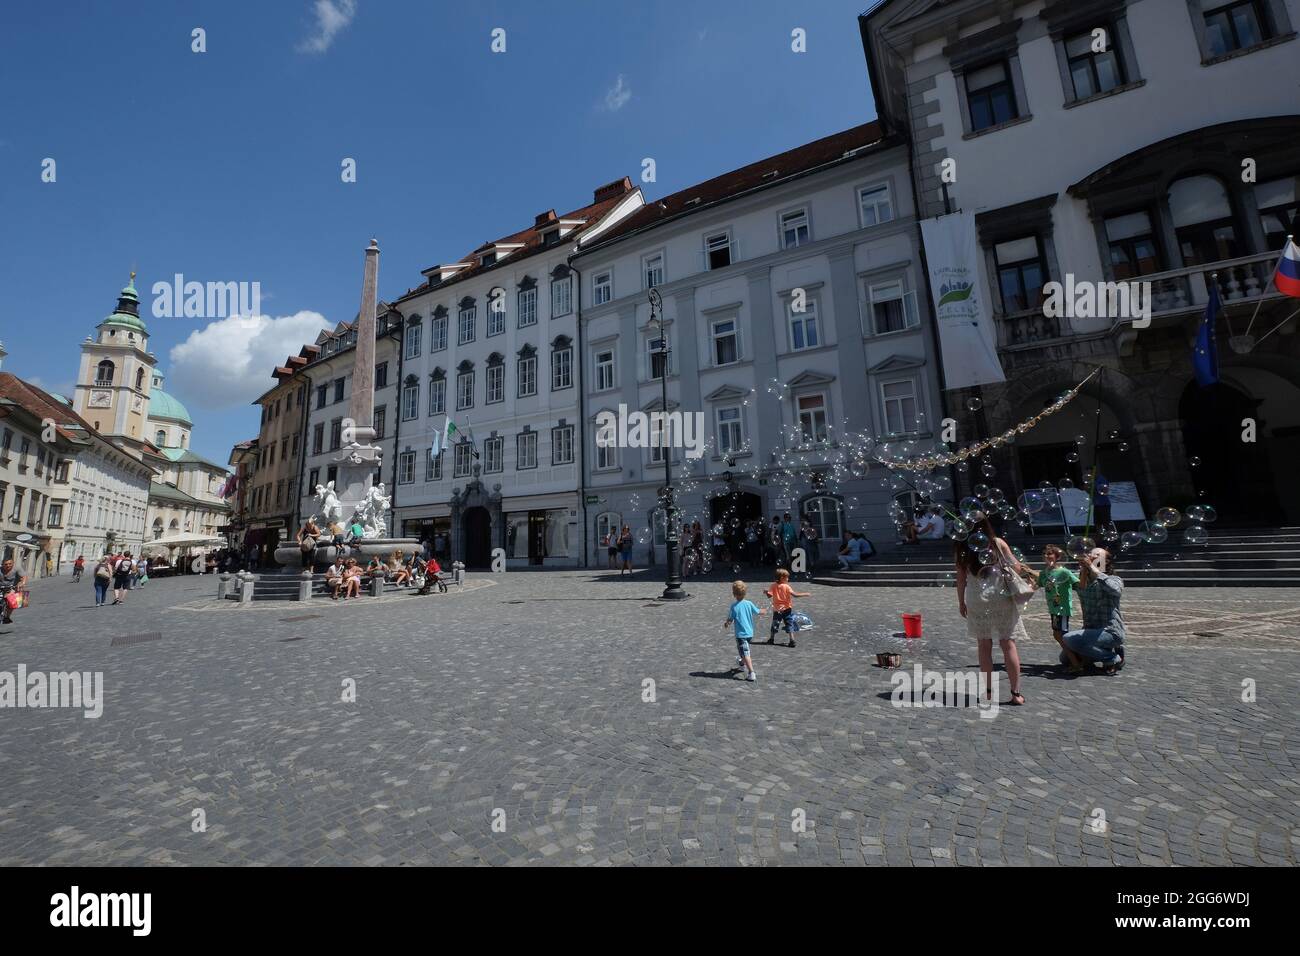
(766, 172)
(43, 405)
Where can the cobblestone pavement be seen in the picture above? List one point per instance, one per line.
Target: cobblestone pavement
(523, 701)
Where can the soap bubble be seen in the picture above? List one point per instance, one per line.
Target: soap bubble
(982, 491)
(958, 529)
(1065, 484)
(1153, 532)
(1168, 517)
(987, 557)
(992, 584)
(1195, 534)
(1131, 539)
(1072, 457)
(1123, 446)
(1202, 514)
(1113, 434)
(1081, 439)
(1108, 532)
(1078, 545)
(1032, 502)
(979, 541)
(972, 509)
(974, 404)
(963, 467)
(1194, 462)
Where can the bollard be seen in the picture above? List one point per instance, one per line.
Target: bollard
(376, 585)
(246, 587)
(304, 585)
(223, 586)
(458, 573)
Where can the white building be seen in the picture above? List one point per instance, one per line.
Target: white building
(491, 342)
(793, 306)
(1107, 140)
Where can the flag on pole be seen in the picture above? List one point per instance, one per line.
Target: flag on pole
(444, 438)
(469, 435)
(1287, 277)
(1205, 353)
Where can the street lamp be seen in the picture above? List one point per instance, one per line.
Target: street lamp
(673, 585)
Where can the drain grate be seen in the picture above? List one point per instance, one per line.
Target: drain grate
(126, 640)
(300, 617)
(1207, 634)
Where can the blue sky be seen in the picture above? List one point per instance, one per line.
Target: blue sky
(225, 165)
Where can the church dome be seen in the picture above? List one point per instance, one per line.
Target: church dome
(127, 313)
(163, 407)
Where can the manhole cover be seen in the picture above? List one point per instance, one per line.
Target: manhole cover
(126, 640)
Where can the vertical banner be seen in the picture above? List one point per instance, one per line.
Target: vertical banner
(961, 301)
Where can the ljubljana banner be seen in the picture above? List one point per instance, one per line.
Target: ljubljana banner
(966, 334)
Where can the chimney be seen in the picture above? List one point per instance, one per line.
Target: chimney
(544, 218)
(3, 353)
(612, 190)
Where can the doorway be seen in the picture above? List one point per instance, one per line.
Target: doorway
(1232, 475)
(478, 537)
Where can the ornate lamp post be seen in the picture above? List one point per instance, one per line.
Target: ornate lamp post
(673, 585)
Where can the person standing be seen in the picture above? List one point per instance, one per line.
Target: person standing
(103, 578)
(1101, 639)
(11, 582)
(308, 537)
(143, 568)
(625, 549)
(991, 617)
(610, 541)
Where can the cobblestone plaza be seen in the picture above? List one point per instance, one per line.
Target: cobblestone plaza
(514, 722)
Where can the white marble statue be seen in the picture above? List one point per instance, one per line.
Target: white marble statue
(369, 512)
(331, 509)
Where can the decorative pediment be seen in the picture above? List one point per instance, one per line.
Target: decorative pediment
(526, 283)
(438, 374)
(726, 393)
(414, 319)
(440, 312)
(897, 363)
(465, 366)
(496, 358)
(527, 352)
(410, 380)
(657, 405)
(467, 302)
(560, 272)
(809, 379)
(561, 342)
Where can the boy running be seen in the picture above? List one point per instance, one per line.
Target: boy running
(742, 614)
(783, 596)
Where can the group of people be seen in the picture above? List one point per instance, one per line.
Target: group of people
(122, 572)
(619, 548)
(345, 575)
(994, 614)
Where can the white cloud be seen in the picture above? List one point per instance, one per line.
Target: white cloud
(331, 17)
(616, 96)
(228, 363)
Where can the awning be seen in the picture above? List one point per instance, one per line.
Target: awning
(184, 541)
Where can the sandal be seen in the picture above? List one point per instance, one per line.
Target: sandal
(1013, 702)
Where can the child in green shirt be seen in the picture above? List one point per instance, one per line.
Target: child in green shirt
(1058, 582)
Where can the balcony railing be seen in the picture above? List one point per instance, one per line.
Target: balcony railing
(1240, 280)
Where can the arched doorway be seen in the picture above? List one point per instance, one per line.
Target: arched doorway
(478, 537)
(1234, 476)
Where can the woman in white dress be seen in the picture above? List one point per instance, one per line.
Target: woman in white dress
(990, 616)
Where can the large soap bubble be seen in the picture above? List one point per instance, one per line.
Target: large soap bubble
(991, 582)
(1153, 532)
(1195, 534)
(1131, 539)
(1032, 502)
(1202, 514)
(1168, 517)
(1079, 545)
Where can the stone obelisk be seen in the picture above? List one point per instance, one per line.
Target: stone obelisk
(361, 458)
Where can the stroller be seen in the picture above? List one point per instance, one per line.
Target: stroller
(431, 576)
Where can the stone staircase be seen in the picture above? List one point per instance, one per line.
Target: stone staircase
(282, 585)
(1242, 557)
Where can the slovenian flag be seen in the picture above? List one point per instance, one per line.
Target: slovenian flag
(444, 438)
(1287, 277)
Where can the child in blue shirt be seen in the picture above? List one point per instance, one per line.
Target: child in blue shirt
(742, 614)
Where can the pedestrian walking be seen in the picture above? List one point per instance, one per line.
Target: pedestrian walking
(991, 614)
(103, 574)
(741, 615)
(11, 590)
(783, 596)
(122, 577)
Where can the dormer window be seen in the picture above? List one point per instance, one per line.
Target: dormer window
(487, 259)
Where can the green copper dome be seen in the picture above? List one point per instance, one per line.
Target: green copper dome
(127, 313)
(162, 405)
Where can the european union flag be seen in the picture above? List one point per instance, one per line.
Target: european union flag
(1205, 353)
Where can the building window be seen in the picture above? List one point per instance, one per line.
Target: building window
(794, 228)
(825, 514)
(1234, 26)
(561, 368)
(336, 434)
(496, 316)
(463, 462)
(318, 439)
(562, 445)
(1203, 221)
(465, 390)
(891, 307)
(875, 204)
(381, 375)
(726, 342)
(804, 333)
(406, 468)
(561, 297)
(160, 438)
(813, 424)
(493, 454)
(338, 389)
(313, 478)
(410, 401)
(899, 401)
(332, 473)
(1279, 213)
(413, 341)
(1132, 246)
(606, 456)
(1093, 72)
(990, 96)
(730, 431)
(604, 371)
(652, 268)
(322, 395)
(438, 396)
(526, 450)
(438, 333)
(468, 319)
(527, 375)
(656, 357)
(1021, 273)
(602, 287)
(496, 383)
(433, 466)
(527, 300)
(104, 373)
(55, 518)
(717, 250)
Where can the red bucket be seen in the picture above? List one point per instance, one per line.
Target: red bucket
(911, 625)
